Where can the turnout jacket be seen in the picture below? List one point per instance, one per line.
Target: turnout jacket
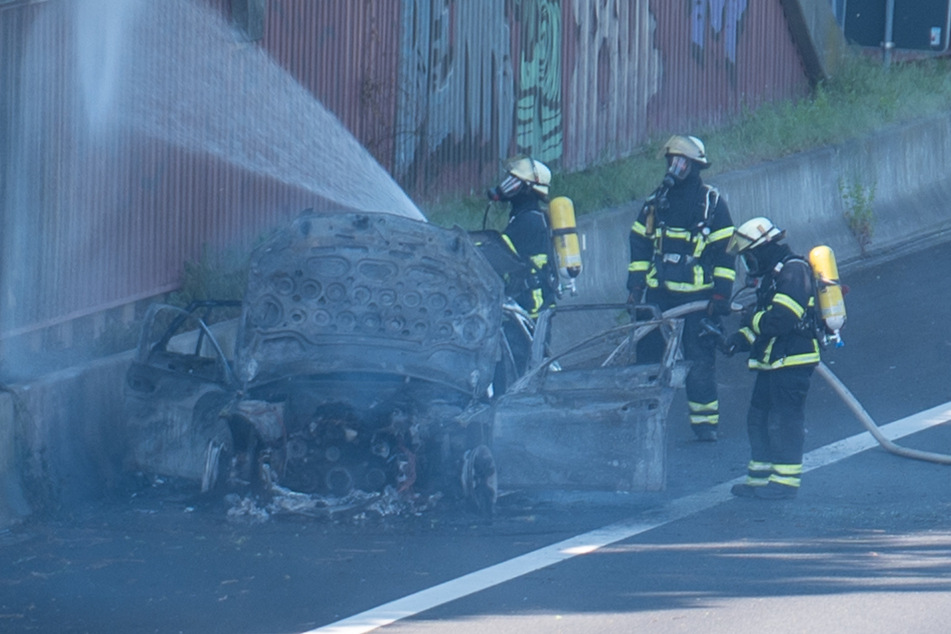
(678, 242)
(529, 236)
(780, 332)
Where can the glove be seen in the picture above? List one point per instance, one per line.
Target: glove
(635, 290)
(736, 342)
(719, 305)
(746, 316)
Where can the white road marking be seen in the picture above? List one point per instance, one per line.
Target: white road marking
(591, 541)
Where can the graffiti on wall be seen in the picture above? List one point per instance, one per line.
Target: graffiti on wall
(724, 18)
(456, 78)
(538, 105)
(615, 70)
(572, 82)
(485, 74)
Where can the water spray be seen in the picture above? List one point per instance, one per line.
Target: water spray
(177, 72)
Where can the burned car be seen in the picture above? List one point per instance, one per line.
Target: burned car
(371, 360)
(361, 359)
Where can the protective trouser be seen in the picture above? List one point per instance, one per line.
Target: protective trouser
(776, 425)
(701, 384)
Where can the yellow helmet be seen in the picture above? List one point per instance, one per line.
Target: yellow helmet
(530, 171)
(752, 234)
(688, 146)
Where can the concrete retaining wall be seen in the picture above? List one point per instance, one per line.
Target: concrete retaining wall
(59, 441)
(907, 165)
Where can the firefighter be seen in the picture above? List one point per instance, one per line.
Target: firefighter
(678, 255)
(528, 234)
(780, 335)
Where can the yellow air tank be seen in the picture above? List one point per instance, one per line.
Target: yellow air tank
(561, 214)
(829, 290)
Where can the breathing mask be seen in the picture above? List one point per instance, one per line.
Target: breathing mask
(678, 167)
(506, 190)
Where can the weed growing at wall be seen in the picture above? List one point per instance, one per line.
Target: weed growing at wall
(859, 214)
(215, 275)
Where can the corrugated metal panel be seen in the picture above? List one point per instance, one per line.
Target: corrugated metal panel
(345, 52)
(637, 70)
(93, 221)
(458, 74)
(438, 90)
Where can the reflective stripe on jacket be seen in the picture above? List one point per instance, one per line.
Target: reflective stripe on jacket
(683, 249)
(779, 331)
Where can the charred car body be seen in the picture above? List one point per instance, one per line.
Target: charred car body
(362, 359)
(373, 353)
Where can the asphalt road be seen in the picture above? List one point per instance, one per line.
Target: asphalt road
(865, 547)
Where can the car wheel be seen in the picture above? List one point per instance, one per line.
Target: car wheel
(480, 480)
(217, 463)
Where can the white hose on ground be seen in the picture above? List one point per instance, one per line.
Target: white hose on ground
(870, 425)
(846, 396)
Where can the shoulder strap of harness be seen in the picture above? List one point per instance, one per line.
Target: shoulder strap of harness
(790, 258)
(711, 200)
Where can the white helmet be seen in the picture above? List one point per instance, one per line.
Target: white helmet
(688, 146)
(535, 173)
(752, 234)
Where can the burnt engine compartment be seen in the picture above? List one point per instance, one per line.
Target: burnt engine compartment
(365, 432)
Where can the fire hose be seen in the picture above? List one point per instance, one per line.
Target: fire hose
(870, 425)
(856, 407)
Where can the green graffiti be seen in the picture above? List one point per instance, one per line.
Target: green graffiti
(538, 124)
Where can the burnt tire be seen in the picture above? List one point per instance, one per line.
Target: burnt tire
(480, 480)
(217, 468)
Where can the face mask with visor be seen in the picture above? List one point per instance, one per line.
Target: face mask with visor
(506, 189)
(745, 247)
(678, 167)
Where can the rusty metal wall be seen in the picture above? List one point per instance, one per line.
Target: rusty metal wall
(345, 52)
(439, 91)
(640, 70)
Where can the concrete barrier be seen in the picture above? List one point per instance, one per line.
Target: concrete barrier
(906, 164)
(60, 439)
(61, 436)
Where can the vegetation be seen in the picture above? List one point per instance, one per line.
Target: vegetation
(863, 97)
(858, 199)
(216, 275)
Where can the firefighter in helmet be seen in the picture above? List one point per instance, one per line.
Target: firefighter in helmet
(780, 335)
(528, 235)
(678, 255)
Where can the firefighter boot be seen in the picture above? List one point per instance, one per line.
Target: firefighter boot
(776, 491)
(705, 432)
(745, 490)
